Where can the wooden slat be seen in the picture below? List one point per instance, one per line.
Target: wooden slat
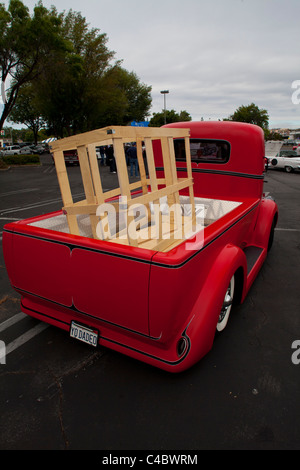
(173, 168)
(170, 172)
(87, 182)
(154, 187)
(168, 190)
(167, 167)
(123, 179)
(190, 176)
(98, 191)
(127, 133)
(95, 174)
(142, 199)
(65, 189)
(142, 170)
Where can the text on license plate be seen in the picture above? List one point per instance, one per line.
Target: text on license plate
(84, 334)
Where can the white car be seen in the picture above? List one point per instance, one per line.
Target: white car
(288, 160)
(11, 150)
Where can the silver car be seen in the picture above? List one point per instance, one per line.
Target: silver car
(26, 150)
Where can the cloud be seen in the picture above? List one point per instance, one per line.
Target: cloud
(212, 55)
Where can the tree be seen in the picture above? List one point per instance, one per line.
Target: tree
(138, 96)
(109, 93)
(59, 94)
(26, 44)
(86, 89)
(251, 114)
(158, 119)
(26, 110)
(90, 46)
(76, 85)
(122, 97)
(272, 135)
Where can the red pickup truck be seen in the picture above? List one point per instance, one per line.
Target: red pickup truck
(163, 308)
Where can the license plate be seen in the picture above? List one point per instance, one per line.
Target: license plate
(84, 334)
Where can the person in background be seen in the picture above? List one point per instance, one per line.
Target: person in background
(132, 154)
(111, 158)
(102, 155)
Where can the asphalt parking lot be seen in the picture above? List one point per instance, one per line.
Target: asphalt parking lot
(56, 393)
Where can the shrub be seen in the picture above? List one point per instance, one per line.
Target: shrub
(3, 165)
(21, 159)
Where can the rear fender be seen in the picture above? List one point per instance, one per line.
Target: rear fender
(202, 327)
(268, 212)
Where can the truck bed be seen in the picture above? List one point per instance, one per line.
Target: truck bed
(207, 212)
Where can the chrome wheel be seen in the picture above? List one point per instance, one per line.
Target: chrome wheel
(226, 307)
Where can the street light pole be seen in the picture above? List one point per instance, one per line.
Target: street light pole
(165, 92)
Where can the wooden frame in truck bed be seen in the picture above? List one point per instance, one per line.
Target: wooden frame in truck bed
(151, 187)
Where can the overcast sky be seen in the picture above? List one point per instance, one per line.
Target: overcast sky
(212, 55)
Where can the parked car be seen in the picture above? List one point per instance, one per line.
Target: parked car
(26, 150)
(287, 160)
(25, 144)
(71, 157)
(39, 149)
(11, 150)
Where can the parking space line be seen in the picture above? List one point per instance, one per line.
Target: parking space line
(49, 169)
(22, 339)
(288, 229)
(29, 206)
(18, 191)
(34, 205)
(11, 321)
(25, 337)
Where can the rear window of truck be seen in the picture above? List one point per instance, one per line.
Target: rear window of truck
(203, 150)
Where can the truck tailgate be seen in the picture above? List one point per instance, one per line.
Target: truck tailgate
(80, 274)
